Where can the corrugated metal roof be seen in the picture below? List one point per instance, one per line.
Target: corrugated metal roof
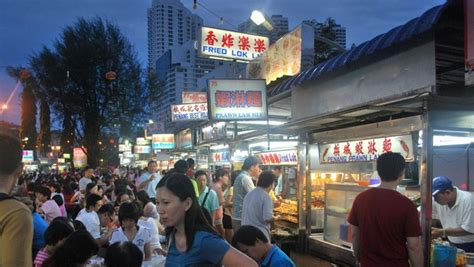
(395, 36)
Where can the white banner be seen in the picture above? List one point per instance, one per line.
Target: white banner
(366, 150)
(189, 112)
(287, 157)
(231, 45)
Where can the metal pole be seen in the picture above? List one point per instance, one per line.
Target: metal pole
(426, 173)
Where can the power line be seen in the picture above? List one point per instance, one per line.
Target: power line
(221, 18)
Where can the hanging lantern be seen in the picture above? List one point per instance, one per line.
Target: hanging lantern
(24, 74)
(111, 75)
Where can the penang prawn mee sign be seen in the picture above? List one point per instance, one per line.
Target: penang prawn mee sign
(227, 44)
(366, 150)
(237, 100)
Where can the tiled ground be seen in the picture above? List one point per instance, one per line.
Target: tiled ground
(304, 260)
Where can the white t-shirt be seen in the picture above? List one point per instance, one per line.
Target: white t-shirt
(151, 188)
(83, 182)
(142, 237)
(460, 215)
(150, 224)
(91, 222)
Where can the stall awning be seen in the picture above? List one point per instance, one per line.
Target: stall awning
(392, 38)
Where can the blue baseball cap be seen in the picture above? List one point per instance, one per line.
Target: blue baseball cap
(440, 184)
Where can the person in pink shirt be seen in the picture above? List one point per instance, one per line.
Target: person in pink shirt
(220, 182)
(54, 236)
(45, 206)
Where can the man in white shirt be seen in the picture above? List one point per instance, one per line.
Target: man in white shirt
(279, 182)
(84, 181)
(89, 217)
(150, 179)
(455, 210)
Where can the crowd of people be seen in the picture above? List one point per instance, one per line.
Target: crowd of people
(127, 216)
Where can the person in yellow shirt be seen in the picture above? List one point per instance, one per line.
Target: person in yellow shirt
(16, 220)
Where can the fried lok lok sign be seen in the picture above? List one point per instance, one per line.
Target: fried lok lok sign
(366, 150)
(237, 99)
(231, 45)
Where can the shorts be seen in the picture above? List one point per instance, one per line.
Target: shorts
(227, 221)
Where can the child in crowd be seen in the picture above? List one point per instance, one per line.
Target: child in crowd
(46, 206)
(123, 254)
(54, 236)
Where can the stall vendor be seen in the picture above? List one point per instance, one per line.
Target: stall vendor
(454, 208)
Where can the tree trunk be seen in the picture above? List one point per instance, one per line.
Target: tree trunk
(91, 136)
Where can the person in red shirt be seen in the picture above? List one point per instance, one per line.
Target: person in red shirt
(385, 226)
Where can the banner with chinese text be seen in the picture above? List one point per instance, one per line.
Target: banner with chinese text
(162, 141)
(227, 44)
(189, 112)
(237, 100)
(287, 157)
(366, 150)
(142, 149)
(194, 97)
(79, 157)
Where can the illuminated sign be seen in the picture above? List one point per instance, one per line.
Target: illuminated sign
(67, 156)
(162, 141)
(220, 156)
(227, 44)
(142, 141)
(79, 157)
(194, 97)
(189, 112)
(237, 100)
(125, 147)
(288, 157)
(366, 150)
(27, 156)
(184, 139)
(212, 132)
(141, 149)
(286, 57)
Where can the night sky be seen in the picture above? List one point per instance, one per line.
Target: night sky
(27, 25)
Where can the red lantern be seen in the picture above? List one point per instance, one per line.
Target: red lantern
(111, 141)
(24, 74)
(111, 75)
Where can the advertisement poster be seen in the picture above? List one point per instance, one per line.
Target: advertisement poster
(162, 141)
(366, 150)
(237, 100)
(27, 156)
(227, 44)
(184, 139)
(142, 149)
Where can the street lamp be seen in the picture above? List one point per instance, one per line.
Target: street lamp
(4, 106)
(259, 18)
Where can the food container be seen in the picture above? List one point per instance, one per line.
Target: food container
(470, 259)
(444, 256)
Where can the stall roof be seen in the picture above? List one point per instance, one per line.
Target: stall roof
(395, 36)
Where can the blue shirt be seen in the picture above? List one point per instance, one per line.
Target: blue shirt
(276, 257)
(39, 227)
(207, 250)
(212, 203)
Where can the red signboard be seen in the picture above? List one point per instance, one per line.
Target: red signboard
(194, 97)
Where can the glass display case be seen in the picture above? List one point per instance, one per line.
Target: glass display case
(339, 198)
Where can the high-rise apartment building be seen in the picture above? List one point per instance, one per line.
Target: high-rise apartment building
(170, 24)
(338, 30)
(279, 23)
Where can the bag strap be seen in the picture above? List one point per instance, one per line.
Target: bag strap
(4, 196)
(205, 197)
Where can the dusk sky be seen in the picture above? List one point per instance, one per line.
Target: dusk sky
(27, 25)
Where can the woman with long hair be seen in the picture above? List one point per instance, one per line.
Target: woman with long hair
(192, 240)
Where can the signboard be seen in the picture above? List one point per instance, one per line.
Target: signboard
(125, 147)
(286, 57)
(61, 160)
(184, 139)
(67, 156)
(227, 44)
(213, 132)
(366, 150)
(189, 112)
(287, 157)
(154, 128)
(141, 149)
(162, 141)
(223, 156)
(79, 157)
(194, 97)
(27, 156)
(142, 141)
(237, 100)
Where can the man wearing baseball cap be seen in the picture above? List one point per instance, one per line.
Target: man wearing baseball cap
(455, 210)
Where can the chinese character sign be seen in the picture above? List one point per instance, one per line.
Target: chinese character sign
(366, 150)
(79, 157)
(237, 99)
(27, 156)
(194, 97)
(189, 112)
(233, 45)
(289, 157)
(162, 141)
